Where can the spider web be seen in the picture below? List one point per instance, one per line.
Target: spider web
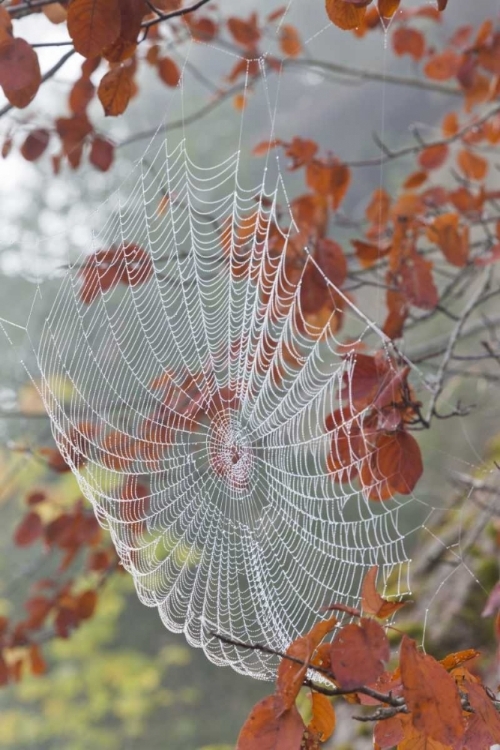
(188, 391)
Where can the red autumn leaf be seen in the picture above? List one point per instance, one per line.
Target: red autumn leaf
(441, 4)
(265, 730)
(169, 72)
(417, 282)
(473, 166)
(442, 66)
(397, 312)
(93, 25)
(346, 15)
(86, 604)
(406, 41)
(65, 621)
(415, 180)
(373, 603)
(116, 88)
(291, 674)
(131, 14)
(431, 696)
(332, 261)
(289, 40)
(450, 238)
(388, 733)
(301, 152)
(73, 132)
(364, 381)
(433, 157)
(38, 607)
(246, 33)
(81, 95)
(102, 153)
(399, 461)
(369, 253)
(339, 183)
(38, 663)
(29, 530)
(35, 497)
(485, 723)
(20, 75)
(357, 654)
(377, 211)
(4, 671)
(323, 718)
(319, 177)
(35, 144)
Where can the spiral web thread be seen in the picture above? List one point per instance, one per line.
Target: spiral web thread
(188, 391)
(196, 421)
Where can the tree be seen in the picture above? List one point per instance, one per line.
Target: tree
(430, 247)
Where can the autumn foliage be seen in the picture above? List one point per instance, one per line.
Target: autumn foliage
(420, 245)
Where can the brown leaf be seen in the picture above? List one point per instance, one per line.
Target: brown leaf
(388, 732)
(35, 144)
(373, 603)
(485, 713)
(73, 132)
(81, 95)
(86, 604)
(102, 153)
(451, 239)
(168, 71)
(431, 695)
(399, 461)
(131, 14)
(357, 654)
(344, 14)
(246, 33)
(442, 66)
(20, 75)
(29, 530)
(265, 730)
(323, 718)
(55, 12)
(116, 89)
(93, 25)
(417, 282)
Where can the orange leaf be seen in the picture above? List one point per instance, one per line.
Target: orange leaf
(417, 282)
(415, 180)
(344, 14)
(473, 166)
(93, 25)
(290, 674)
(373, 603)
(246, 33)
(323, 717)
(433, 157)
(265, 730)
(357, 654)
(367, 253)
(55, 12)
(450, 124)
(431, 695)
(406, 41)
(290, 43)
(443, 66)
(168, 71)
(115, 90)
(453, 241)
(377, 211)
(485, 723)
(388, 732)
(456, 660)
(340, 181)
(387, 8)
(38, 664)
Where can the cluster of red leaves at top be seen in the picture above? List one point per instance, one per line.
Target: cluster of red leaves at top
(58, 605)
(352, 14)
(370, 439)
(428, 703)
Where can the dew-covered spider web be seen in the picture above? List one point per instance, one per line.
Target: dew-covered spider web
(203, 402)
